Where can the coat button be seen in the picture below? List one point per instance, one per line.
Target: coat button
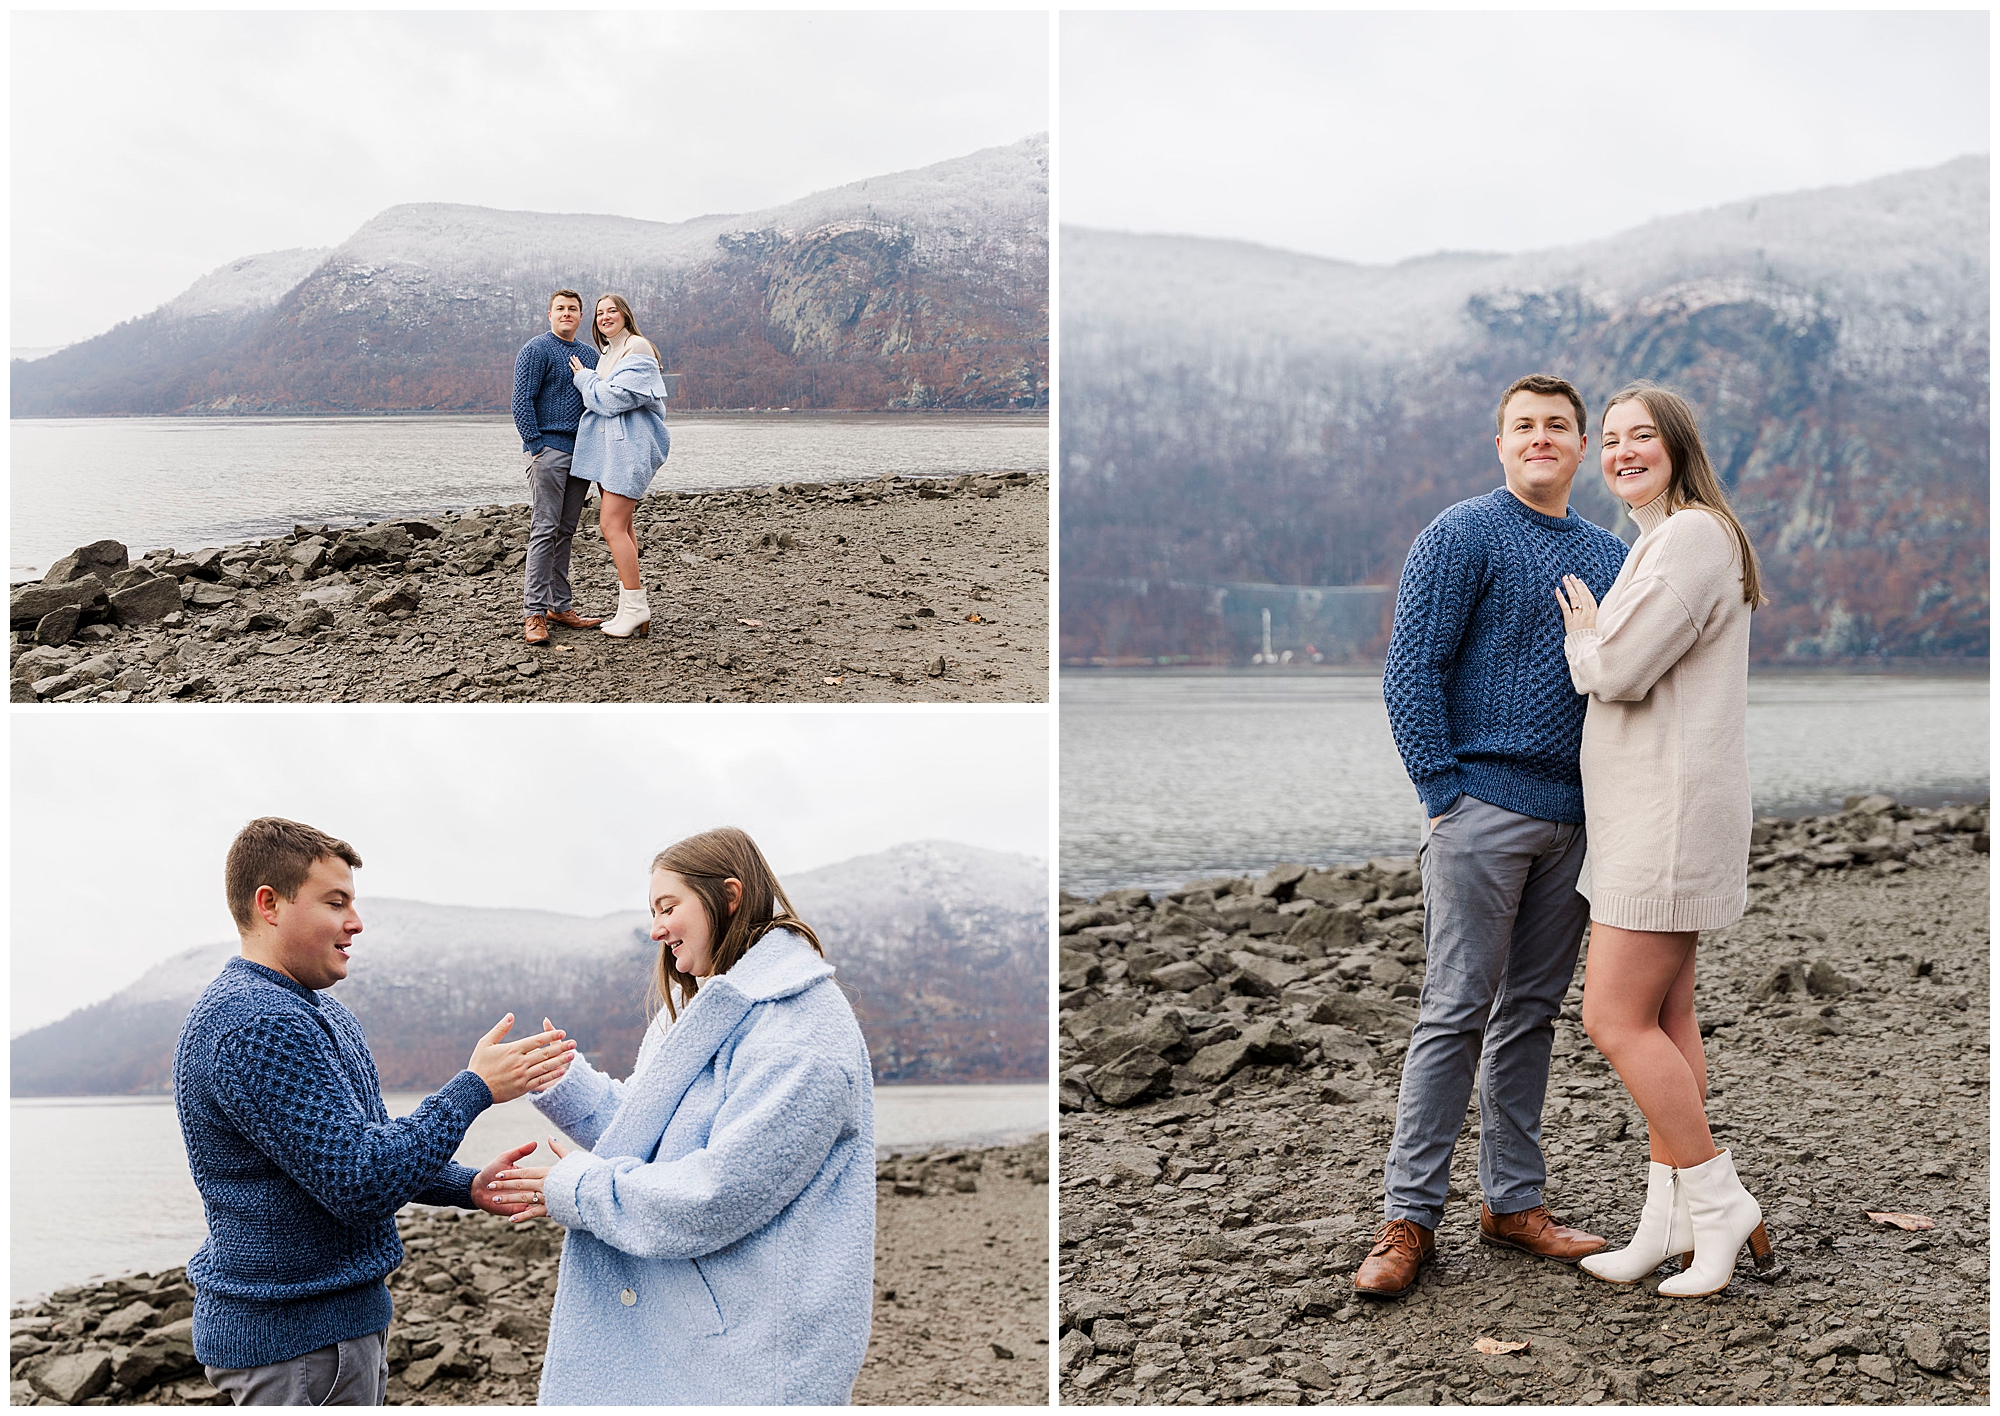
(628, 1297)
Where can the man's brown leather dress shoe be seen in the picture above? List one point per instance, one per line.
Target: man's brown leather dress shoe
(1390, 1270)
(538, 629)
(571, 619)
(1536, 1232)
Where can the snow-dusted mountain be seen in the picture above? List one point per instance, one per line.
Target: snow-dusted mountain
(1233, 413)
(926, 288)
(942, 948)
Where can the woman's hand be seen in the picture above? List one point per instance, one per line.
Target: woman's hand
(517, 1191)
(575, 365)
(1579, 606)
(551, 1075)
(483, 1193)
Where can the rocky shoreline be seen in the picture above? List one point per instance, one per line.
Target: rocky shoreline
(961, 1303)
(894, 590)
(1230, 1057)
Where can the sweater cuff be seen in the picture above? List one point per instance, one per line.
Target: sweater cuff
(467, 1092)
(1439, 792)
(560, 1187)
(453, 1186)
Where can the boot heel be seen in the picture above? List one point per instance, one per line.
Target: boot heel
(1760, 1248)
(645, 629)
(1687, 1261)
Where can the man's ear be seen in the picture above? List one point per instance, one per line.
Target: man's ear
(265, 903)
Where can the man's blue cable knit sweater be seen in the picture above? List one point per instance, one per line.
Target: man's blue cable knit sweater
(547, 405)
(1479, 693)
(300, 1169)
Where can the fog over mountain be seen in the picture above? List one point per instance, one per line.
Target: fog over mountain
(919, 289)
(1235, 415)
(942, 948)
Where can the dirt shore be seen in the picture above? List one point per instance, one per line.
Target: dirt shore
(961, 1304)
(1230, 1063)
(895, 590)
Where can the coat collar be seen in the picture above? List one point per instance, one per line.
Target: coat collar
(776, 966)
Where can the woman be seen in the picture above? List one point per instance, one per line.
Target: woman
(721, 1245)
(621, 441)
(1666, 792)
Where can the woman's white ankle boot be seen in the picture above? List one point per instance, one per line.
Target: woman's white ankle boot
(633, 617)
(1725, 1216)
(1663, 1231)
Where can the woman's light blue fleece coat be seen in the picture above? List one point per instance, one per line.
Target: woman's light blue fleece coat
(621, 439)
(721, 1245)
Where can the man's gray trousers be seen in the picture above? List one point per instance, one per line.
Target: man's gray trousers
(555, 505)
(350, 1373)
(1502, 925)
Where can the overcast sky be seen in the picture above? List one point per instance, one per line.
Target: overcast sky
(121, 820)
(1375, 137)
(150, 148)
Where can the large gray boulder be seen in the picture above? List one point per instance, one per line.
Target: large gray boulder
(102, 559)
(1132, 1077)
(57, 627)
(147, 601)
(73, 1379)
(28, 604)
(371, 545)
(1261, 977)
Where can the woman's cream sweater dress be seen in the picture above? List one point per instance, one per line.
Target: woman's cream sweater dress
(1666, 784)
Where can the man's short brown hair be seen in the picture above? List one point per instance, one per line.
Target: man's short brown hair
(559, 294)
(1542, 383)
(279, 853)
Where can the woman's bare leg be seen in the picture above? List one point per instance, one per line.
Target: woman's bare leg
(614, 522)
(1638, 1007)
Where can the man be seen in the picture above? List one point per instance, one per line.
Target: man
(300, 1169)
(547, 408)
(1489, 727)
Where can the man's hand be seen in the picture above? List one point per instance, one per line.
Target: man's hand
(485, 1196)
(521, 1190)
(560, 1072)
(512, 1069)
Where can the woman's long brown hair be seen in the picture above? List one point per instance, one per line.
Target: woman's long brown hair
(1695, 482)
(707, 862)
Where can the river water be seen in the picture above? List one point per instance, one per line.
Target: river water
(196, 482)
(101, 1184)
(1167, 778)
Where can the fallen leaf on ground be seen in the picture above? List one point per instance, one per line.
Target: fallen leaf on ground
(975, 619)
(754, 624)
(1901, 1221)
(831, 682)
(1493, 1346)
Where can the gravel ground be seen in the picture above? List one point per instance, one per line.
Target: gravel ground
(1231, 1054)
(886, 591)
(961, 1278)
(961, 1275)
